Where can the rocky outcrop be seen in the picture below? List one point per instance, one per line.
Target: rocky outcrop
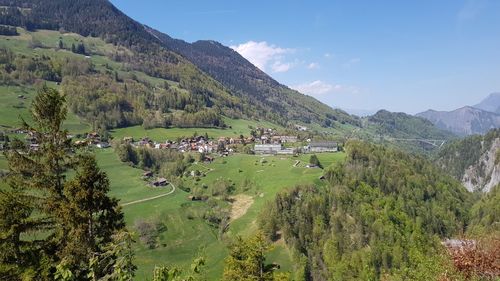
(485, 173)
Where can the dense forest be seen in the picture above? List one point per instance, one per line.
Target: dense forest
(382, 213)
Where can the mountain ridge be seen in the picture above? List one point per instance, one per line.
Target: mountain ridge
(491, 103)
(463, 121)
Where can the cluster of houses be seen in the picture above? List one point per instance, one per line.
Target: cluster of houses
(311, 147)
(93, 139)
(194, 144)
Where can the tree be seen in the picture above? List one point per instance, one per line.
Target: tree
(117, 260)
(90, 217)
(313, 160)
(246, 260)
(36, 178)
(49, 224)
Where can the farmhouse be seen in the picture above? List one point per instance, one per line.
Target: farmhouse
(160, 182)
(326, 146)
(286, 151)
(288, 139)
(267, 148)
(103, 145)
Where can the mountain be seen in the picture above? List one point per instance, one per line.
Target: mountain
(402, 125)
(490, 103)
(254, 94)
(463, 121)
(250, 83)
(473, 160)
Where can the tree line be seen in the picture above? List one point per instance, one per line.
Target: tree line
(382, 214)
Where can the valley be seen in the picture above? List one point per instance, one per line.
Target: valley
(131, 155)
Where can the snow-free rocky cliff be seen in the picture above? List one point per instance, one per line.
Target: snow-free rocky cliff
(485, 173)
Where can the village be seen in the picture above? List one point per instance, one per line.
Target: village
(262, 141)
(267, 141)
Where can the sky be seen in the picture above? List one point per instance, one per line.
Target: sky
(405, 56)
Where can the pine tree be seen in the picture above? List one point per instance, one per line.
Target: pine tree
(75, 218)
(35, 178)
(89, 215)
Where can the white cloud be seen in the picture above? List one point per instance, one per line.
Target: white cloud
(319, 87)
(313, 65)
(262, 54)
(278, 66)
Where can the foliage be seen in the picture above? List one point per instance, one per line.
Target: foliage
(485, 214)
(381, 208)
(313, 160)
(165, 273)
(51, 224)
(246, 260)
(478, 260)
(455, 157)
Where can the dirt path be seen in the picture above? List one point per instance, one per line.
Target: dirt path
(240, 206)
(150, 198)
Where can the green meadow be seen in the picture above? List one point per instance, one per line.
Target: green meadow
(185, 236)
(236, 127)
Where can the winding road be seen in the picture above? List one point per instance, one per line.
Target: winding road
(150, 198)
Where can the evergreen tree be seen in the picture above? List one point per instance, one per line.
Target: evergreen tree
(313, 160)
(50, 225)
(36, 191)
(90, 216)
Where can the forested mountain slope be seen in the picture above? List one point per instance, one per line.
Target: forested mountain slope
(473, 160)
(382, 213)
(407, 132)
(250, 83)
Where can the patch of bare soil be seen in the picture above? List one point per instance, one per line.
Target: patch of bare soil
(240, 205)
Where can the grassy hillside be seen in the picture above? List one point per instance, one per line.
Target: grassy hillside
(235, 128)
(185, 236)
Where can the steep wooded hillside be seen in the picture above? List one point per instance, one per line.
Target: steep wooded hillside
(251, 84)
(382, 213)
(473, 160)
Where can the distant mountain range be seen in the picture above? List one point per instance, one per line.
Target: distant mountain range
(491, 103)
(468, 120)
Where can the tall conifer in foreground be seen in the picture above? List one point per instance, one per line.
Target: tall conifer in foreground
(48, 223)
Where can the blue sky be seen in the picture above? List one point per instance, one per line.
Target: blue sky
(399, 55)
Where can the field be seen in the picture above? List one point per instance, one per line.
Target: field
(185, 237)
(13, 108)
(236, 127)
